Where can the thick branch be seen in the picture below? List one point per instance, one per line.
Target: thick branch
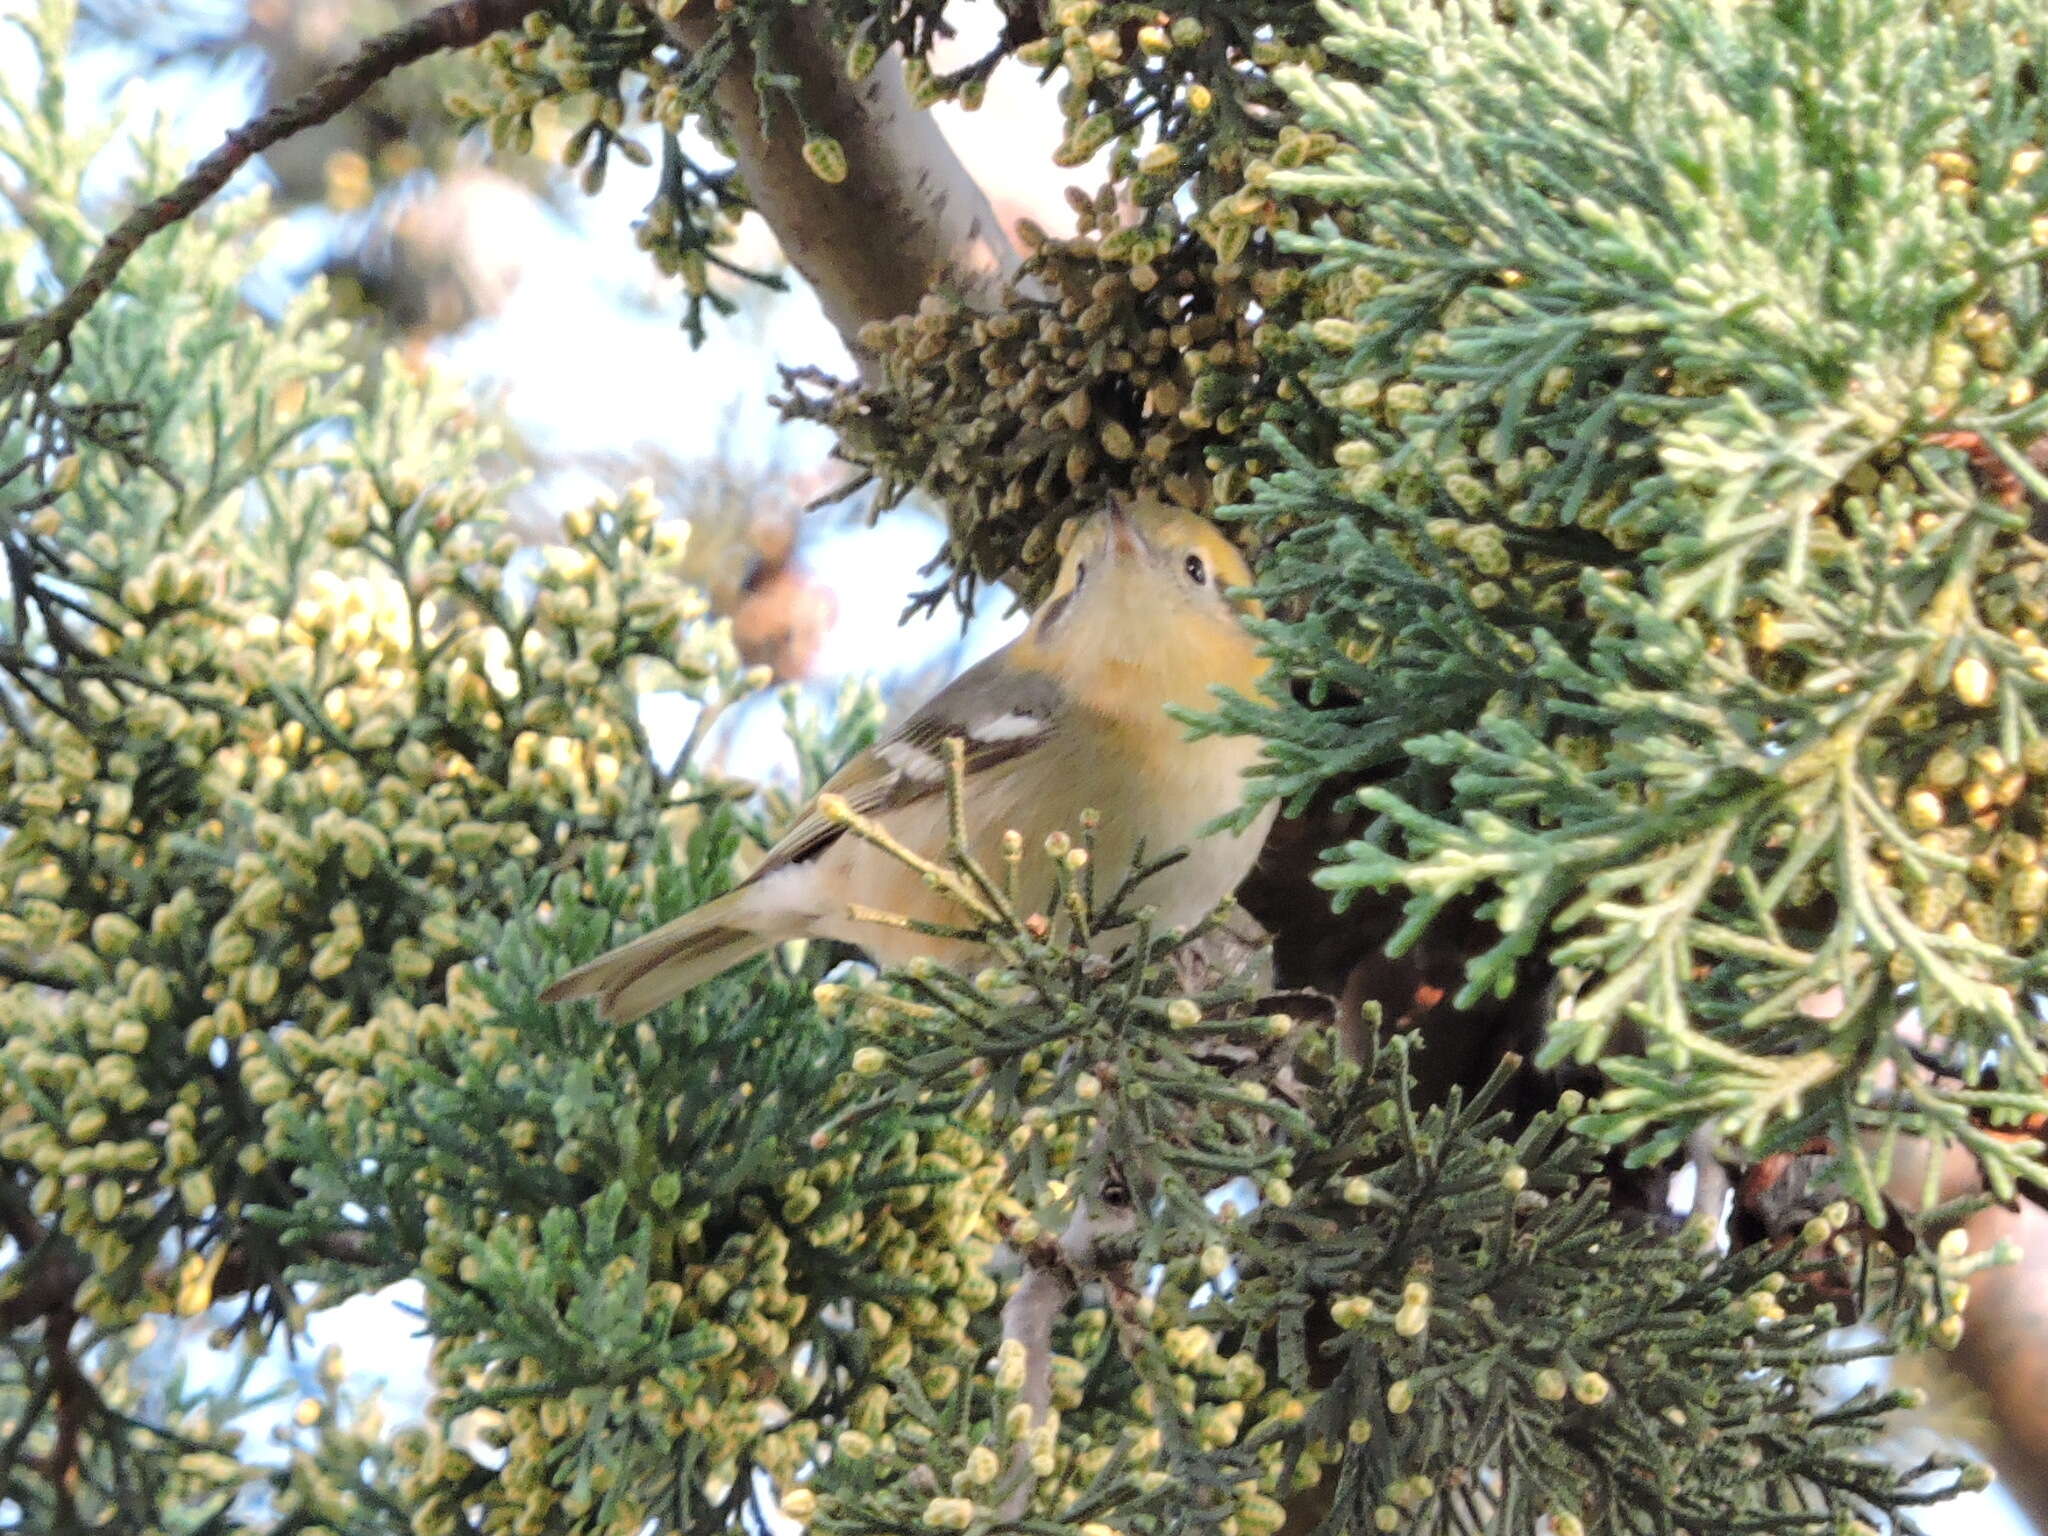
(907, 216)
(2004, 1351)
(75, 1398)
(1028, 1318)
(459, 24)
(44, 1292)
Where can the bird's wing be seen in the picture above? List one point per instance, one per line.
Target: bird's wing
(1000, 711)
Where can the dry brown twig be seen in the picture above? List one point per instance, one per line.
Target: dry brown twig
(458, 24)
(72, 1392)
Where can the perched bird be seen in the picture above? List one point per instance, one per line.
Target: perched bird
(1069, 716)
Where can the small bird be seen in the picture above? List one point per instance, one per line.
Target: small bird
(1069, 716)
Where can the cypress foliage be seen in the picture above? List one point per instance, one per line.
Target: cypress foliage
(1681, 536)
(1633, 410)
(294, 723)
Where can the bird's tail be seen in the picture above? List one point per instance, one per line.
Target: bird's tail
(638, 977)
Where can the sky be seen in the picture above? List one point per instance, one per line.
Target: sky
(587, 358)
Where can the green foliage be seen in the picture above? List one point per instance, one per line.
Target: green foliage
(1510, 1345)
(1184, 98)
(1078, 1063)
(1118, 364)
(1430, 1318)
(626, 1235)
(1439, 1319)
(269, 817)
(1646, 507)
(1679, 538)
(290, 709)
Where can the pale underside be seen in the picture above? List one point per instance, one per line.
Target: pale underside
(1022, 795)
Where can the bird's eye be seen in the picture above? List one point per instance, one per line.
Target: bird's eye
(1198, 573)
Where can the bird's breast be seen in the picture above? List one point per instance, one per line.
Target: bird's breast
(1150, 790)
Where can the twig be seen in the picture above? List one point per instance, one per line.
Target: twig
(1711, 1182)
(17, 1220)
(79, 661)
(49, 1296)
(31, 976)
(51, 1285)
(74, 1398)
(459, 24)
(1028, 1317)
(1054, 1269)
(47, 1293)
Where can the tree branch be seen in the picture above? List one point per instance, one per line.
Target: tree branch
(75, 1398)
(55, 1268)
(907, 216)
(49, 1286)
(1054, 1270)
(1028, 1318)
(2004, 1350)
(459, 24)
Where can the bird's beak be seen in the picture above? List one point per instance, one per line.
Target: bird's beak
(1124, 534)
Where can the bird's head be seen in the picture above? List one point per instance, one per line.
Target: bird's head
(1153, 587)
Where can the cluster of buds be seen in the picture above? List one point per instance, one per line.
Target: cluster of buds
(293, 814)
(1138, 355)
(568, 82)
(1476, 514)
(1969, 857)
(1087, 1461)
(712, 1287)
(1117, 366)
(1180, 97)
